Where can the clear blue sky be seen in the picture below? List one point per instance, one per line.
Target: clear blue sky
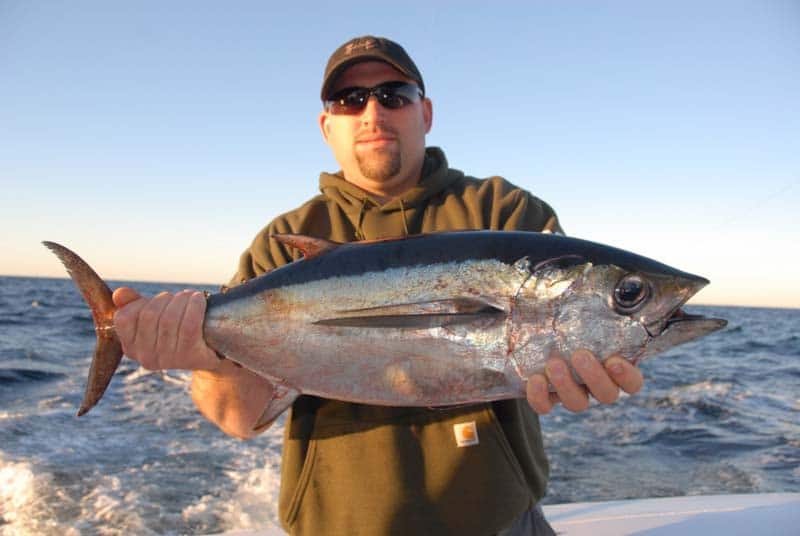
(156, 137)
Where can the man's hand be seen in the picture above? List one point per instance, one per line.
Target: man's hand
(602, 380)
(164, 332)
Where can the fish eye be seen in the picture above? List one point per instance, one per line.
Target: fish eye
(631, 291)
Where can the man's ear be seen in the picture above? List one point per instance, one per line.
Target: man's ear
(427, 114)
(323, 124)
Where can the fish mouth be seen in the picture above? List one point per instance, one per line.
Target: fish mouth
(681, 327)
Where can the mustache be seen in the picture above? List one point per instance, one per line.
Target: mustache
(375, 132)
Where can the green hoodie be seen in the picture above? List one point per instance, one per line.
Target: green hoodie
(357, 469)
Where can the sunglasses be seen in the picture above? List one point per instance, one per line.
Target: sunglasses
(391, 95)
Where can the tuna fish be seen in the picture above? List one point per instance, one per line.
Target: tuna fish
(434, 320)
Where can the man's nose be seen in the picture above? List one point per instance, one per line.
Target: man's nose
(373, 111)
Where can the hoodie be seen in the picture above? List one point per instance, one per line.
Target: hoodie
(359, 469)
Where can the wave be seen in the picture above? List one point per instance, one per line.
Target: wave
(36, 501)
(242, 508)
(12, 321)
(27, 499)
(22, 371)
(116, 499)
(12, 376)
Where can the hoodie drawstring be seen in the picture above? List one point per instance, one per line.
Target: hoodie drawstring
(403, 215)
(362, 210)
(359, 223)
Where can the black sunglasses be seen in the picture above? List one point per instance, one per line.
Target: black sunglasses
(391, 95)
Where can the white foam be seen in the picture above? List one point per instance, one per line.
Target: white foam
(25, 502)
(699, 391)
(708, 387)
(251, 503)
(16, 490)
(255, 502)
(32, 503)
(138, 374)
(252, 506)
(109, 504)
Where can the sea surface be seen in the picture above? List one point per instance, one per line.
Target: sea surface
(720, 415)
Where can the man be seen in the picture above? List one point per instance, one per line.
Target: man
(357, 469)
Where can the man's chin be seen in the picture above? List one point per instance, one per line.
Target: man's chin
(379, 169)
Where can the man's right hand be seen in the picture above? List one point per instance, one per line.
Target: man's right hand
(164, 332)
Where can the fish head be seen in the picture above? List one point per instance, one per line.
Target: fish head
(633, 310)
(653, 301)
(661, 313)
(645, 307)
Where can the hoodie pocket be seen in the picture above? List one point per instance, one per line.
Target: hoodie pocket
(290, 515)
(410, 477)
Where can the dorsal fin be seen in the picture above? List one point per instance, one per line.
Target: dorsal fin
(310, 246)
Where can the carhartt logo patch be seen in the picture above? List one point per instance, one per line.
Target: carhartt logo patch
(466, 434)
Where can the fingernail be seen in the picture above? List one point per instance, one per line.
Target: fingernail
(555, 370)
(616, 368)
(581, 359)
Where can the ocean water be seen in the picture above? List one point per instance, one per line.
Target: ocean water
(720, 415)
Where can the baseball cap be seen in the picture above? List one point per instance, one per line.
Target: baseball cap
(366, 48)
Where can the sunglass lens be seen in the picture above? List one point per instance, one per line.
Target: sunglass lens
(391, 98)
(349, 102)
(392, 95)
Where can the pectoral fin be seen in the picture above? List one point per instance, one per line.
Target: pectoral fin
(419, 315)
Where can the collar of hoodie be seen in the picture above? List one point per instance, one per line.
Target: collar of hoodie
(356, 203)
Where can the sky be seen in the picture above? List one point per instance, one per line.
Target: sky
(156, 138)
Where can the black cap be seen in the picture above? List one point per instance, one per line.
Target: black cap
(366, 48)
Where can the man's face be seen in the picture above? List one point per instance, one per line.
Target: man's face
(379, 149)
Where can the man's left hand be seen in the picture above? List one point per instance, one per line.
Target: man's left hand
(602, 381)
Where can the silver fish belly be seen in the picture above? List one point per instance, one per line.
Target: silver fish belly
(418, 335)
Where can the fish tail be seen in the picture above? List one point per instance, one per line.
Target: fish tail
(108, 349)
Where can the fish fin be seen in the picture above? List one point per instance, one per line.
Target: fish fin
(430, 314)
(108, 349)
(309, 246)
(283, 396)
(407, 321)
(461, 305)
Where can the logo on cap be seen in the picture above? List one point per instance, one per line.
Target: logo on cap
(361, 44)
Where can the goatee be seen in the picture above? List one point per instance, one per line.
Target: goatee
(379, 165)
